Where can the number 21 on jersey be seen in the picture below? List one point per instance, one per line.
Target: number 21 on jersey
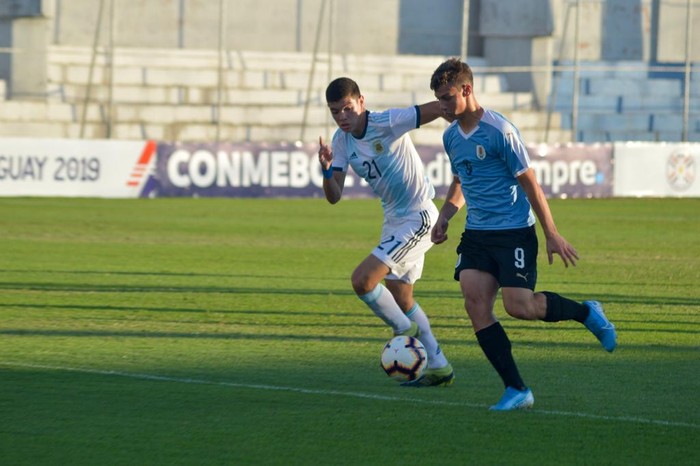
(372, 170)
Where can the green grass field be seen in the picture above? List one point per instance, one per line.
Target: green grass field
(225, 331)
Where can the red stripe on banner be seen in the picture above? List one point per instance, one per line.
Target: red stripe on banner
(137, 173)
(147, 153)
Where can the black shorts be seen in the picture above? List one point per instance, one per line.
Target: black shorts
(509, 255)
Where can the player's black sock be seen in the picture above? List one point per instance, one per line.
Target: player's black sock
(561, 308)
(496, 346)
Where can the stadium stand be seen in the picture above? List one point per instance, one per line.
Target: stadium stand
(172, 95)
(622, 101)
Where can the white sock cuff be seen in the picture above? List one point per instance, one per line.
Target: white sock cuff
(412, 310)
(373, 295)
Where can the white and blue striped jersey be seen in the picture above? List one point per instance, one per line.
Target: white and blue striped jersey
(387, 160)
(487, 162)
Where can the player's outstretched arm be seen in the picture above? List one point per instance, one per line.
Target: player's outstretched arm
(430, 111)
(453, 202)
(556, 243)
(333, 184)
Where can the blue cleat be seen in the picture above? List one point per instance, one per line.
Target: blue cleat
(600, 326)
(514, 399)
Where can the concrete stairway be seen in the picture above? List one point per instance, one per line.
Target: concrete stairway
(629, 101)
(172, 95)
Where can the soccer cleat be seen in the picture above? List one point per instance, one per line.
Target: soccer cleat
(412, 331)
(514, 399)
(600, 326)
(438, 377)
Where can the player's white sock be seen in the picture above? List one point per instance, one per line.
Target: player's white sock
(383, 304)
(435, 356)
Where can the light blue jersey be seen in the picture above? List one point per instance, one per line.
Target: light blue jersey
(487, 162)
(387, 160)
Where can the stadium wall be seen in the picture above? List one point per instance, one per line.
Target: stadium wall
(614, 29)
(503, 32)
(132, 169)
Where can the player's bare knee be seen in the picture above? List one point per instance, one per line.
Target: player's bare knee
(517, 313)
(521, 310)
(361, 283)
(476, 301)
(474, 307)
(480, 313)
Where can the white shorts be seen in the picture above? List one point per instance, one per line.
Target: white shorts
(404, 244)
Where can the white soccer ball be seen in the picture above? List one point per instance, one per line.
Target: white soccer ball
(404, 358)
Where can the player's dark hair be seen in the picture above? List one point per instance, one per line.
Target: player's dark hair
(341, 88)
(453, 72)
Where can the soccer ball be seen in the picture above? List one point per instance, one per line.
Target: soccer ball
(404, 358)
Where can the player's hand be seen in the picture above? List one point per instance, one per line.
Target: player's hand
(439, 232)
(325, 154)
(556, 244)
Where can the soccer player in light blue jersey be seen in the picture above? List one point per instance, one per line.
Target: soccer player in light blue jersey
(498, 248)
(377, 147)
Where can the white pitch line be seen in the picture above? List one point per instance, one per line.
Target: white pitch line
(370, 396)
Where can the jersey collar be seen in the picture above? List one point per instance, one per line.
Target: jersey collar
(364, 130)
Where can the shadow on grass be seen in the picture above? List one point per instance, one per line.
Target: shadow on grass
(121, 288)
(178, 310)
(585, 344)
(127, 273)
(447, 278)
(282, 414)
(624, 325)
(128, 288)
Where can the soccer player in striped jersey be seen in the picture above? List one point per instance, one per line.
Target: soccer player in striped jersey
(378, 148)
(498, 248)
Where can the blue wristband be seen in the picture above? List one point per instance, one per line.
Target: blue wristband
(328, 174)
